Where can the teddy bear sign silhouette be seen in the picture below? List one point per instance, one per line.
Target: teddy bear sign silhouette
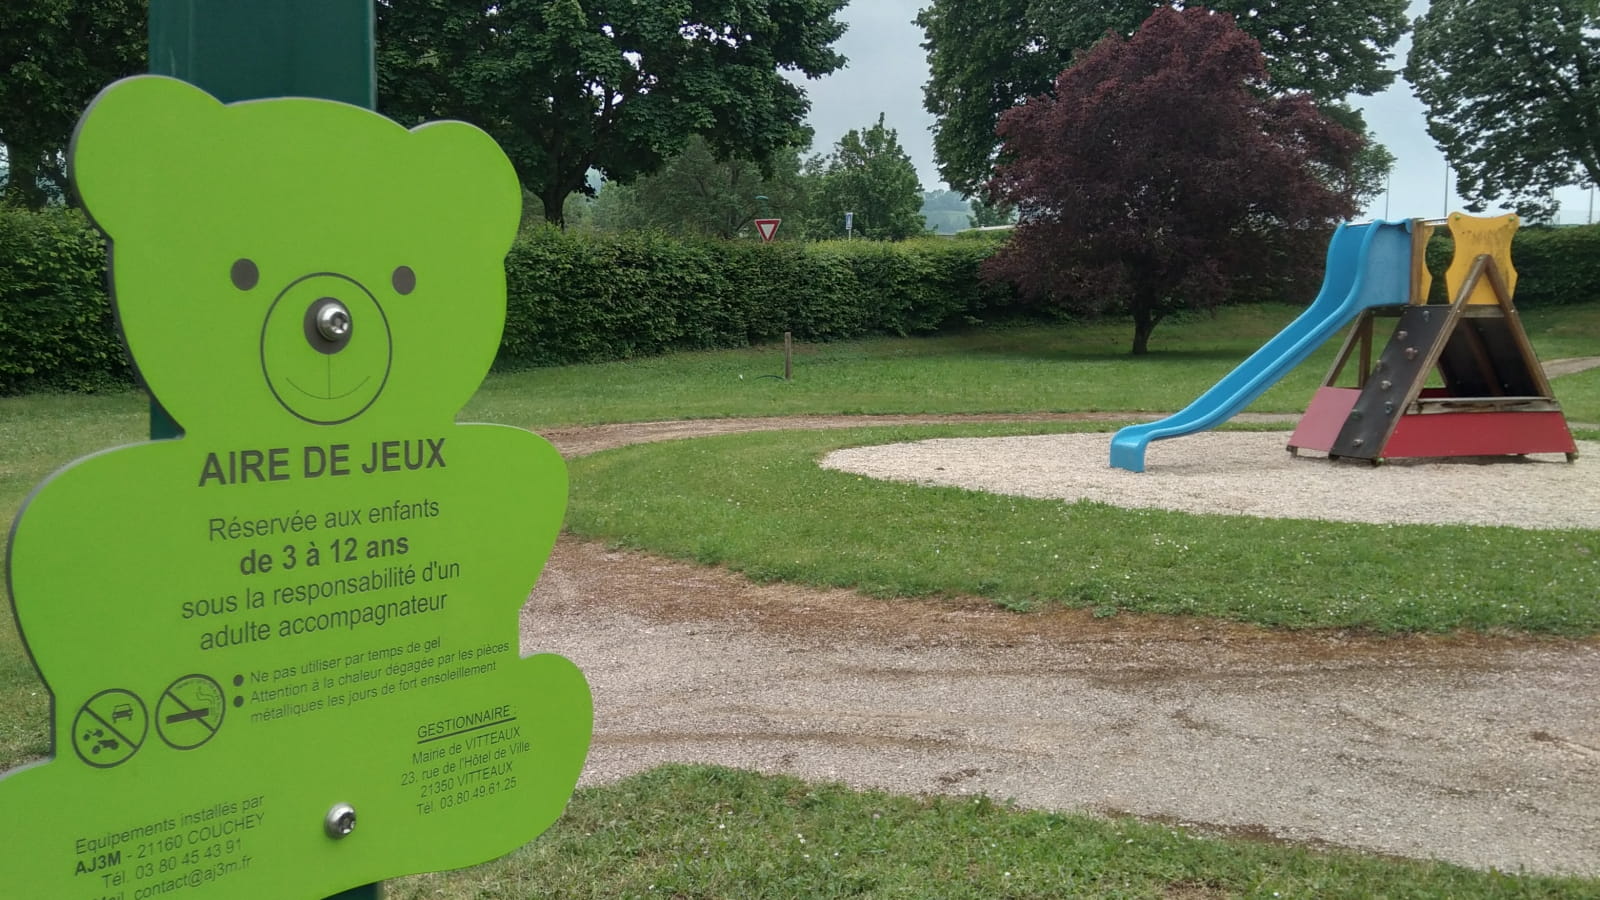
(283, 647)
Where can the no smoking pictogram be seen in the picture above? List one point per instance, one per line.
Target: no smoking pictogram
(190, 711)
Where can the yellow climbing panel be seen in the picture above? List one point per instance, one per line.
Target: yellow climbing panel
(1476, 236)
(1421, 278)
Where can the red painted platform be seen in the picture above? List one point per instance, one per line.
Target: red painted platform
(1437, 434)
(1479, 434)
(1319, 427)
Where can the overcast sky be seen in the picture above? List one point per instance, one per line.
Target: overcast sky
(887, 68)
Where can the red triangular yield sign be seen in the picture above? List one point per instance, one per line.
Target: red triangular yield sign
(768, 228)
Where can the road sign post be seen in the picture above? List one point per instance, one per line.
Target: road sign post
(768, 228)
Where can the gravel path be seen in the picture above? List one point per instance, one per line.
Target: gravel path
(1484, 751)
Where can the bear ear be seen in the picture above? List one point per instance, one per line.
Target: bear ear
(133, 144)
(482, 185)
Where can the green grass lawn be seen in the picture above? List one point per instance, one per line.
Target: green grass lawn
(1057, 368)
(760, 504)
(700, 831)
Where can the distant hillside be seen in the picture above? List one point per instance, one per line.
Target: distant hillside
(946, 212)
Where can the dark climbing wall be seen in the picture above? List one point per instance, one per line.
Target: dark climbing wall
(1401, 369)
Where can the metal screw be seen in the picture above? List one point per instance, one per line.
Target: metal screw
(1386, 384)
(340, 821)
(1359, 441)
(1411, 353)
(333, 321)
(1401, 335)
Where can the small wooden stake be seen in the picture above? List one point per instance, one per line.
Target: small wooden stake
(788, 356)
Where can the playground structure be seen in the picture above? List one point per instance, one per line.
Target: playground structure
(1492, 397)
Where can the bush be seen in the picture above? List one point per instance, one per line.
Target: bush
(56, 327)
(571, 298)
(1555, 266)
(588, 298)
(582, 298)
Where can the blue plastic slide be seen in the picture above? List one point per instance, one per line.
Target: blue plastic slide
(1368, 265)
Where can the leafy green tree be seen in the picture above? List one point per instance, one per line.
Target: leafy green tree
(566, 86)
(870, 175)
(1369, 176)
(695, 194)
(615, 208)
(1158, 177)
(946, 212)
(1326, 48)
(984, 57)
(985, 215)
(1512, 89)
(987, 56)
(576, 212)
(55, 55)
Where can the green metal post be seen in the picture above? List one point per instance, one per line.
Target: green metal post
(249, 49)
(252, 49)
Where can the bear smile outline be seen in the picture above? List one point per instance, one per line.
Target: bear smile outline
(267, 368)
(329, 396)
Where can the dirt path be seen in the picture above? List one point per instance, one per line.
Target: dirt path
(1479, 751)
(1554, 368)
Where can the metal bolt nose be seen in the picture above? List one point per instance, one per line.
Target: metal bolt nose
(333, 321)
(340, 821)
(328, 325)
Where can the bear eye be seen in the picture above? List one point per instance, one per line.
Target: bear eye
(404, 280)
(245, 275)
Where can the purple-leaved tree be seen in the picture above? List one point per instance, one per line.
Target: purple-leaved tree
(1162, 175)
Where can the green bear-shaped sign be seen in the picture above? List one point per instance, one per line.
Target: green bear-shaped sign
(283, 648)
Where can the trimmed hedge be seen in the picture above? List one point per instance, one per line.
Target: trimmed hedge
(575, 298)
(1555, 266)
(56, 327)
(571, 298)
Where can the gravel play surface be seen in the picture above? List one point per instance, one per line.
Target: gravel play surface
(1251, 474)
